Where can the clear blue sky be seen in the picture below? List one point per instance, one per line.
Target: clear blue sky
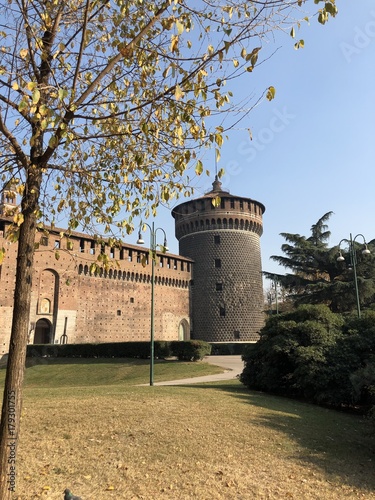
(313, 147)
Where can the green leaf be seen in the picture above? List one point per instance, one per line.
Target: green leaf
(227, 45)
(62, 94)
(23, 106)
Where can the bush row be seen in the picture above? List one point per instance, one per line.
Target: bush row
(228, 348)
(191, 350)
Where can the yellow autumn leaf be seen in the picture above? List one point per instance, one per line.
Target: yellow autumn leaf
(271, 93)
(216, 201)
(15, 86)
(24, 53)
(178, 93)
(180, 27)
(174, 43)
(217, 154)
(18, 219)
(31, 86)
(199, 167)
(220, 173)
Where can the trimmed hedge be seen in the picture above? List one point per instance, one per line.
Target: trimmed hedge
(189, 350)
(228, 349)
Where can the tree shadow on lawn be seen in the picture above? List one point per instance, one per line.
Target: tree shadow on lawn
(340, 444)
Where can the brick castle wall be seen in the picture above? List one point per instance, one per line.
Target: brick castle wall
(71, 303)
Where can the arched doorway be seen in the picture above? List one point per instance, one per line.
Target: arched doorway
(183, 330)
(43, 332)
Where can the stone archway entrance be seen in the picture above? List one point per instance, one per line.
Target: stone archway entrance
(43, 332)
(183, 330)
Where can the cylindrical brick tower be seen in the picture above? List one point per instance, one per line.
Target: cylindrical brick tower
(223, 239)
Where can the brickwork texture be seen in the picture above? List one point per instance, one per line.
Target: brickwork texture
(221, 233)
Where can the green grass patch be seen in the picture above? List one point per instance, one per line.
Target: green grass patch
(77, 372)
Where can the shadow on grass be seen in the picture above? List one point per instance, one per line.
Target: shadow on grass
(340, 444)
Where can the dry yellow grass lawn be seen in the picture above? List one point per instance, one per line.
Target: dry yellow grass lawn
(214, 441)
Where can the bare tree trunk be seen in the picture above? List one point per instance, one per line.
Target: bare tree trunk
(12, 401)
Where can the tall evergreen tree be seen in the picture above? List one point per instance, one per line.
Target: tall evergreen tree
(317, 277)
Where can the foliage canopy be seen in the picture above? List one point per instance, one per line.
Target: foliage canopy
(104, 104)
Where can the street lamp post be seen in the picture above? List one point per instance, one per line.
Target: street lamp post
(353, 261)
(140, 241)
(274, 285)
(276, 294)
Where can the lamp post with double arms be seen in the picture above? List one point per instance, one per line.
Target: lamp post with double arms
(140, 241)
(353, 261)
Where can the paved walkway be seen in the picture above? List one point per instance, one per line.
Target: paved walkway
(233, 366)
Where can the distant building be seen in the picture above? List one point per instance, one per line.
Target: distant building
(212, 291)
